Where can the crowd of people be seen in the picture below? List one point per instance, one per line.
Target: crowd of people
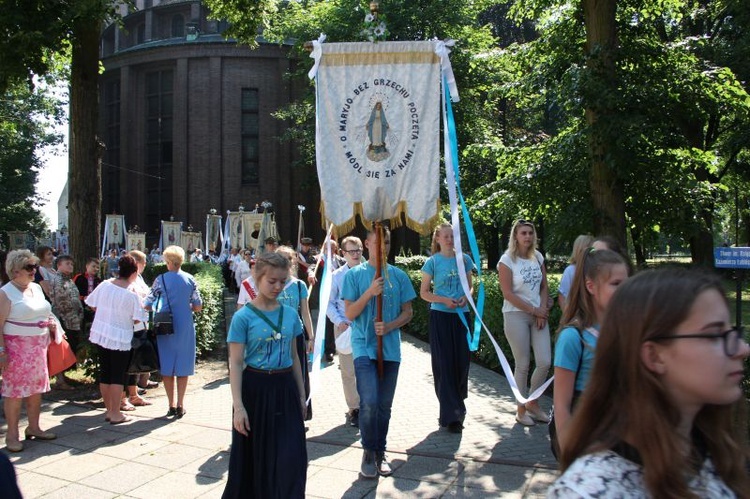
(659, 340)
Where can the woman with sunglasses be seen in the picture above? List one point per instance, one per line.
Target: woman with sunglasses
(25, 323)
(662, 415)
(523, 281)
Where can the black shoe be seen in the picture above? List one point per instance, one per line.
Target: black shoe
(172, 412)
(179, 412)
(329, 357)
(368, 469)
(455, 427)
(353, 418)
(384, 468)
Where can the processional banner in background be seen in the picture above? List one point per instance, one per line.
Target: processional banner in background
(244, 228)
(114, 233)
(191, 241)
(171, 234)
(214, 235)
(136, 241)
(61, 244)
(17, 239)
(378, 132)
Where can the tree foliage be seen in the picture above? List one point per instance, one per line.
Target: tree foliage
(27, 113)
(676, 126)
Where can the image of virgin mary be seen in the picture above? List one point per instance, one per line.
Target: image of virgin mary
(377, 130)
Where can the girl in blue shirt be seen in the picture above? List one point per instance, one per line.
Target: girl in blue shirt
(449, 347)
(597, 276)
(268, 458)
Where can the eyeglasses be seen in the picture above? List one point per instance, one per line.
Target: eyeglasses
(353, 252)
(521, 221)
(733, 338)
(31, 267)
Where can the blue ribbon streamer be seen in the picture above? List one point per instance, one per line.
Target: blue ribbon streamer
(473, 339)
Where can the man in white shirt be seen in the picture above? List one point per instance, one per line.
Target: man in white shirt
(352, 248)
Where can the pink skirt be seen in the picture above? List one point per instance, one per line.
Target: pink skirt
(26, 372)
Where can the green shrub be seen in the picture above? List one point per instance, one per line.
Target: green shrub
(413, 262)
(210, 283)
(493, 318)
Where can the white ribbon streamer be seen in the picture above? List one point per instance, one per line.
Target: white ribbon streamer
(442, 51)
(320, 327)
(316, 53)
(455, 221)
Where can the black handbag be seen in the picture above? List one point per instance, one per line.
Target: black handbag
(162, 321)
(144, 353)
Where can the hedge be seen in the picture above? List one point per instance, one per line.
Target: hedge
(208, 322)
(493, 315)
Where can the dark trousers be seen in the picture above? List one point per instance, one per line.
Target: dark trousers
(450, 364)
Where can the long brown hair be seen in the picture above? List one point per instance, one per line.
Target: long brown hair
(625, 402)
(580, 310)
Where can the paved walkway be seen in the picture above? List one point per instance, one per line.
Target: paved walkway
(155, 457)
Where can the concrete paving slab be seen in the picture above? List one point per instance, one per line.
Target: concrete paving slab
(176, 485)
(123, 478)
(36, 485)
(78, 491)
(78, 466)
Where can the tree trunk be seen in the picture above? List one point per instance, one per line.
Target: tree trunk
(702, 242)
(606, 188)
(639, 248)
(84, 177)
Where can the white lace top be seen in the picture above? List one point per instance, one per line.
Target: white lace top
(116, 310)
(608, 475)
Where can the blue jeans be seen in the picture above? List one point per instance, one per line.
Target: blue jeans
(375, 400)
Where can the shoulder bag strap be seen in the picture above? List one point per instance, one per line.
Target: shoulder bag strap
(164, 283)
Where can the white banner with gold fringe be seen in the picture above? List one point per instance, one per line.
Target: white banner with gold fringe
(378, 132)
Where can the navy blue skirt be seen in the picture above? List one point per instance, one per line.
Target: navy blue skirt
(272, 461)
(450, 364)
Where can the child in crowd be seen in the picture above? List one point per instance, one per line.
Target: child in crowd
(597, 276)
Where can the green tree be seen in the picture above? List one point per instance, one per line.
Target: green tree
(31, 32)
(25, 111)
(676, 119)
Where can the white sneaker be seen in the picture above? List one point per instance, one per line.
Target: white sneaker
(525, 419)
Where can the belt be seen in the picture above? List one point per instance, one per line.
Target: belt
(268, 371)
(40, 324)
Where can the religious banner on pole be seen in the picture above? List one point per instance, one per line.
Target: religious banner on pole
(171, 234)
(61, 243)
(136, 241)
(378, 132)
(254, 223)
(191, 241)
(214, 234)
(115, 231)
(17, 239)
(235, 229)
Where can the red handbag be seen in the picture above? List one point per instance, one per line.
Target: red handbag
(59, 357)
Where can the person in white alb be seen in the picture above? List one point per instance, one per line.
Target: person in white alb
(352, 249)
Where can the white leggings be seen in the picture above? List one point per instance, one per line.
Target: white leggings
(522, 334)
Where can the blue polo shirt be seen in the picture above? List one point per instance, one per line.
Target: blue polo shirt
(262, 350)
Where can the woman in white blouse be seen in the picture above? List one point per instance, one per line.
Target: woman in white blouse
(117, 311)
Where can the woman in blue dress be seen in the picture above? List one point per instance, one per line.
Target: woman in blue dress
(268, 458)
(449, 347)
(295, 295)
(177, 292)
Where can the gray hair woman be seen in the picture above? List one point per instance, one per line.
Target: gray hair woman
(177, 292)
(25, 324)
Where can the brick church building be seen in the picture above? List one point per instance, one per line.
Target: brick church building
(186, 121)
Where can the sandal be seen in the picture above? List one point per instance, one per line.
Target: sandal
(125, 419)
(125, 405)
(179, 412)
(138, 401)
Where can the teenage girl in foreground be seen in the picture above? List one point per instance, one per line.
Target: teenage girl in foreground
(661, 415)
(268, 458)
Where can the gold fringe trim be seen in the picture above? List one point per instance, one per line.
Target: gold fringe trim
(423, 228)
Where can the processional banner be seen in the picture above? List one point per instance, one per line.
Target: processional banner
(378, 132)
(61, 244)
(17, 239)
(191, 241)
(136, 241)
(171, 234)
(214, 234)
